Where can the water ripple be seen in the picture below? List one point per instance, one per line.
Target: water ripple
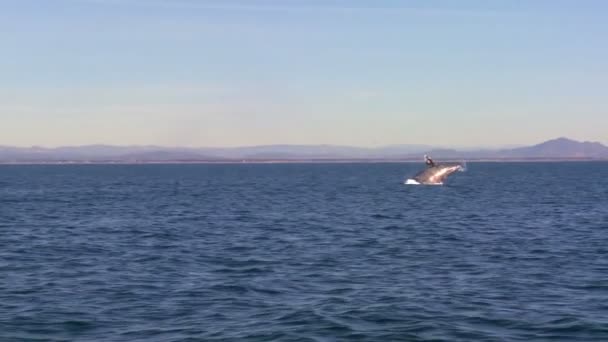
(303, 253)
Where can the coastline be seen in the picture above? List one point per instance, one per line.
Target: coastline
(293, 161)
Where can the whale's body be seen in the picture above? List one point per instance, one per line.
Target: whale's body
(435, 175)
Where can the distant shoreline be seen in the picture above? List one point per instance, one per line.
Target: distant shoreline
(560, 149)
(295, 161)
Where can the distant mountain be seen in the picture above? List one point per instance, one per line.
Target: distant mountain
(96, 153)
(160, 155)
(323, 151)
(561, 148)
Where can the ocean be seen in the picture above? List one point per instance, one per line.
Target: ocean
(303, 252)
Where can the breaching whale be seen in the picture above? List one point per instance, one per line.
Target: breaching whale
(435, 174)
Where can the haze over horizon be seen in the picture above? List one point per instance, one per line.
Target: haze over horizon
(406, 146)
(261, 72)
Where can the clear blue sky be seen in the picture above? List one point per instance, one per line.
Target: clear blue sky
(250, 72)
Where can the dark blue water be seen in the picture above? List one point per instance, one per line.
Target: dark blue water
(335, 252)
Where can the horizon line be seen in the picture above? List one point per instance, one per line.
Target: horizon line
(440, 146)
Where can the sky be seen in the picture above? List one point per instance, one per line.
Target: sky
(256, 72)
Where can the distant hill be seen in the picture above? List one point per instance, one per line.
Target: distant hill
(95, 153)
(560, 148)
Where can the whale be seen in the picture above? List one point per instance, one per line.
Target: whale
(435, 175)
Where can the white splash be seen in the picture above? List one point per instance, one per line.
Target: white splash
(414, 182)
